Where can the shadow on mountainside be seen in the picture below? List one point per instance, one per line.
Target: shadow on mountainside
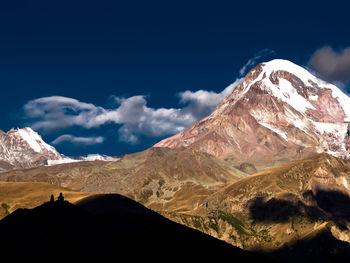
(105, 228)
(273, 210)
(327, 205)
(335, 203)
(323, 247)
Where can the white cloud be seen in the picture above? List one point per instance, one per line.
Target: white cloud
(135, 117)
(51, 113)
(201, 103)
(78, 140)
(132, 115)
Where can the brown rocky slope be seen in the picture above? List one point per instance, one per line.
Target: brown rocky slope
(279, 206)
(154, 177)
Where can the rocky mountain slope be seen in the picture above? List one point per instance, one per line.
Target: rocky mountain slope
(277, 207)
(279, 112)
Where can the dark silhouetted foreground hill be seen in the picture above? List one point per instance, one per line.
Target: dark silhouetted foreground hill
(107, 228)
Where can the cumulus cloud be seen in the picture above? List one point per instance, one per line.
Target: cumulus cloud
(51, 113)
(85, 141)
(201, 103)
(132, 115)
(332, 65)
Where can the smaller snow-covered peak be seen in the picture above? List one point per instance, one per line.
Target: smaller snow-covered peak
(88, 158)
(34, 140)
(24, 148)
(31, 137)
(95, 157)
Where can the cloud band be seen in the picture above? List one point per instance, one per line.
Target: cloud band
(132, 115)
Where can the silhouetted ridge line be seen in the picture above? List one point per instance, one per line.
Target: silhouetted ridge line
(101, 228)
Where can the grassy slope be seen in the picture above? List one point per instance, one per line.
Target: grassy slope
(14, 195)
(159, 177)
(161, 171)
(283, 213)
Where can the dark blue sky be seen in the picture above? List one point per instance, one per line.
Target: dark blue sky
(97, 51)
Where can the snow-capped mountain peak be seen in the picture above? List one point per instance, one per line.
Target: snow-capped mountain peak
(290, 83)
(279, 111)
(269, 68)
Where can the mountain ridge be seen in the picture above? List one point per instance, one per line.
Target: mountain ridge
(25, 148)
(157, 174)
